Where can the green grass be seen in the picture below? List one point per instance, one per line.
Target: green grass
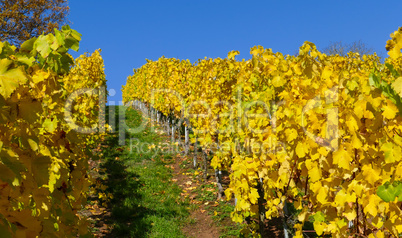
(145, 202)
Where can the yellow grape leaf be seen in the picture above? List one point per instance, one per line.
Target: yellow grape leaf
(315, 174)
(352, 85)
(397, 85)
(342, 158)
(298, 234)
(298, 204)
(302, 216)
(368, 114)
(390, 110)
(371, 206)
(388, 149)
(377, 222)
(278, 81)
(54, 176)
(44, 150)
(351, 123)
(355, 187)
(253, 196)
(10, 78)
(323, 151)
(33, 144)
(7, 86)
(49, 124)
(237, 218)
(394, 53)
(323, 195)
(319, 227)
(243, 204)
(351, 197)
(350, 215)
(232, 54)
(379, 234)
(228, 194)
(301, 150)
(291, 134)
(298, 70)
(340, 199)
(39, 76)
(356, 143)
(340, 223)
(399, 227)
(359, 108)
(326, 73)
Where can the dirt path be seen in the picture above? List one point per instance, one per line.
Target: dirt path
(96, 213)
(202, 225)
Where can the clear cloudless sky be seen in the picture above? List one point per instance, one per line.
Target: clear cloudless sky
(130, 31)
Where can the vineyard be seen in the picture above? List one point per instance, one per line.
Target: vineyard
(313, 140)
(319, 134)
(44, 158)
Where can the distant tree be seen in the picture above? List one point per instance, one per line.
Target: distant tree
(342, 49)
(21, 20)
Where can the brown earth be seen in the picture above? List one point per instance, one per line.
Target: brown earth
(201, 224)
(97, 214)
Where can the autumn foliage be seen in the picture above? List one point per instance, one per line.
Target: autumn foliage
(320, 132)
(21, 20)
(44, 162)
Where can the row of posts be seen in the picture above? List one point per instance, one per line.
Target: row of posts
(172, 126)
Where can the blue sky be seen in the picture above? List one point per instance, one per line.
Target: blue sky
(128, 32)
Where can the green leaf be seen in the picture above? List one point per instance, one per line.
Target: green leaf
(72, 39)
(6, 228)
(59, 37)
(388, 192)
(11, 160)
(6, 49)
(373, 80)
(25, 59)
(28, 45)
(387, 89)
(319, 216)
(392, 69)
(42, 46)
(66, 61)
(53, 42)
(399, 189)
